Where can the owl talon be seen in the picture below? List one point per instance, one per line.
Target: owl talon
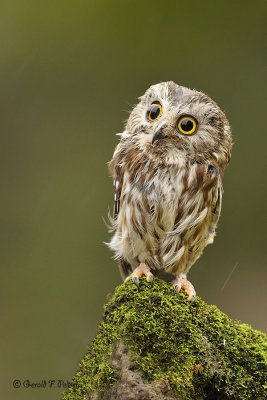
(193, 300)
(150, 278)
(181, 283)
(176, 288)
(136, 281)
(141, 270)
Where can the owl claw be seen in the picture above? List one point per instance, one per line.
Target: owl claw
(136, 281)
(193, 300)
(176, 288)
(141, 270)
(181, 282)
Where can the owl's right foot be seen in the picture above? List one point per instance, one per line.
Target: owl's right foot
(141, 270)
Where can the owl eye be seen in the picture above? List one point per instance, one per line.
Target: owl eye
(154, 111)
(187, 125)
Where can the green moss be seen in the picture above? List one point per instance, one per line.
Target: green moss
(195, 350)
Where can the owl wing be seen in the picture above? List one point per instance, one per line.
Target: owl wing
(117, 174)
(215, 212)
(124, 267)
(117, 195)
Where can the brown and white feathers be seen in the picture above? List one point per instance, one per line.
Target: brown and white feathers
(168, 169)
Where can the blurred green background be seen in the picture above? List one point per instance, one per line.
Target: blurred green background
(69, 73)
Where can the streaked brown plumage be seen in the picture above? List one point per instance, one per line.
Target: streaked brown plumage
(168, 169)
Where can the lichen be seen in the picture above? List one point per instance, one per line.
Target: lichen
(191, 351)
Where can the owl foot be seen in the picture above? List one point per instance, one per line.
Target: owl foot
(181, 282)
(141, 270)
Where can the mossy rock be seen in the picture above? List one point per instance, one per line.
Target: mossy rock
(154, 344)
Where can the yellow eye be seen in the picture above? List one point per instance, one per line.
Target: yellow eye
(154, 111)
(187, 125)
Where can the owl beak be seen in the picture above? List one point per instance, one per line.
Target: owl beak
(158, 135)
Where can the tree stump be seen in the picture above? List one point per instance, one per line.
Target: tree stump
(154, 344)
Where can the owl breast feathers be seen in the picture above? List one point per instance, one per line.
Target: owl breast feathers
(168, 169)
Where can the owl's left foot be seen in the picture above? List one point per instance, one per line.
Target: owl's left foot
(141, 270)
(181, 282)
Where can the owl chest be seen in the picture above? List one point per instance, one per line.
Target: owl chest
(164, 214)
(166, 187)
(165, 198)
(173, 199)
(155, 199)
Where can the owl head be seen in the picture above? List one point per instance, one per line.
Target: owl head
(173, 121)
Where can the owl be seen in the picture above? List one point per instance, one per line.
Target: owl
(168, 170)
